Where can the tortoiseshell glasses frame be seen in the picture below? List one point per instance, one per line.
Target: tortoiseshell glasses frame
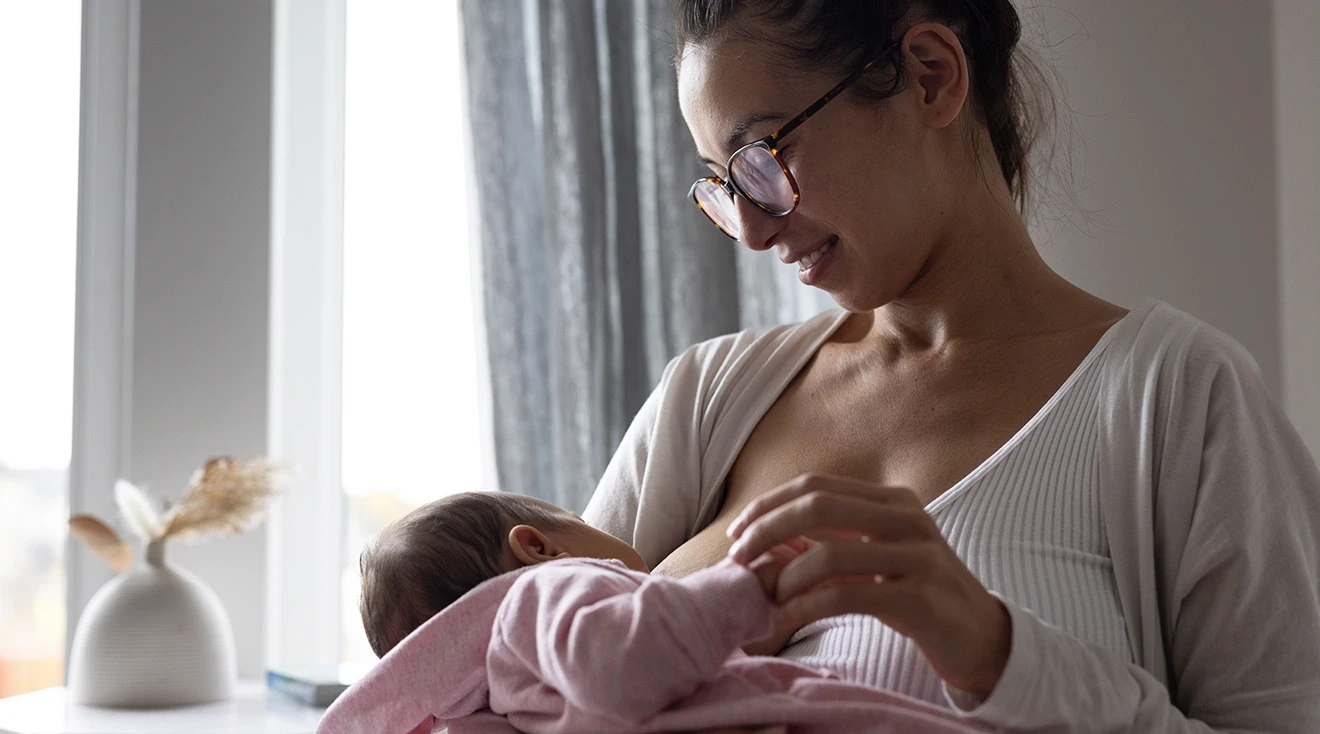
(710, 186)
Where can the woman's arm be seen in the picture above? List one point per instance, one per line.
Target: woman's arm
(1240, 593)
(1228, 537)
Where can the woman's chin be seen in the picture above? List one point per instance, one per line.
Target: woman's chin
(855, 302)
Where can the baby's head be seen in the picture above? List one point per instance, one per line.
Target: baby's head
(427, 559)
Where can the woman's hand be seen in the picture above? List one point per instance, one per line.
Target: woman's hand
(876, 551)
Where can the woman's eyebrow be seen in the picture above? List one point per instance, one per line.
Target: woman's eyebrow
(708, 161)
(743, 126)
(740, 129)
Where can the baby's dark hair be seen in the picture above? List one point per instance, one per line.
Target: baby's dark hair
(427, 559)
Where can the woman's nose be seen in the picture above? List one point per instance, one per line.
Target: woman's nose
(757, 229)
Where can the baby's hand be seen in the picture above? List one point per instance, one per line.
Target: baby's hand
(768, 567)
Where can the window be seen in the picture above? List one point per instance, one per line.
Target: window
(40, 51)
(410, 411)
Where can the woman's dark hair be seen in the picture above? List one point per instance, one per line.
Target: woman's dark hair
(427, 559)
(1009, 93)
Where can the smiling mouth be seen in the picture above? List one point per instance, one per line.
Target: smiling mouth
(810, 259)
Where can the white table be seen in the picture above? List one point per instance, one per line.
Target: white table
(253, 710)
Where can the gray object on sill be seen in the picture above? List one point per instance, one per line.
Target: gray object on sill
(313, 688)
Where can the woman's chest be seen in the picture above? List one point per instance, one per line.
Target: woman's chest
(922, 431)
(921, 428)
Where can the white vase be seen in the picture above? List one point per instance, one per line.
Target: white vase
(153, 636)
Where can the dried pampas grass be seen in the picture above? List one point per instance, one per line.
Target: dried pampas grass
(224, 496)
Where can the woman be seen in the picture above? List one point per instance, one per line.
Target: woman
(1025, 502)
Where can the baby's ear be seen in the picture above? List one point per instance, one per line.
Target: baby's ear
(530, 546)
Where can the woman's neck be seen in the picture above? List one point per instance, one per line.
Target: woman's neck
(984, 280)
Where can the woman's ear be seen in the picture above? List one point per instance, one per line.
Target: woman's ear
(530, 546)
(938, 66)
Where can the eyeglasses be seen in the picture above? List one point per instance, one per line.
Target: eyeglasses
(758, 174)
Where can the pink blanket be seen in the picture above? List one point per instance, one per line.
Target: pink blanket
(584, 646)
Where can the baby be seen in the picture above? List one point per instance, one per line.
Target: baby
(498, 612)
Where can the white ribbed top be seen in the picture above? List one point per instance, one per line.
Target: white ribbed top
(1028, 523)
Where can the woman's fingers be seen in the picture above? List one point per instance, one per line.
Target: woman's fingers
(808, 483)
(833, 599)
(826, 515)
(849, 562)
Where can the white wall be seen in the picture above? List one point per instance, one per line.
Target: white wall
(1174, 112)
(1297, 89)
(201, 287)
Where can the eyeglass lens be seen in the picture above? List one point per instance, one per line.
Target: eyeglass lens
(760, 177)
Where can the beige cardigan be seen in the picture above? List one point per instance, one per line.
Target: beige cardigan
(1212, 508)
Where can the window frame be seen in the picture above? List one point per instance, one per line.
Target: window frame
(303, 539)
(307, 261)
(299, 622)
(103, 321)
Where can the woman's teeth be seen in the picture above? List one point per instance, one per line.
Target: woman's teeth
(811, 259)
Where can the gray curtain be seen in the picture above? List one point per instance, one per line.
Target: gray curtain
(596, 270)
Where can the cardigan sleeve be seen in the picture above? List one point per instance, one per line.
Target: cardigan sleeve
(655, 493)
(1236, 533)
(650, 493)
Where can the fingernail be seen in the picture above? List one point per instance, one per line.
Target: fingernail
(735, 551)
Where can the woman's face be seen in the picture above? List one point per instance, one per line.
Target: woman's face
(877, 181)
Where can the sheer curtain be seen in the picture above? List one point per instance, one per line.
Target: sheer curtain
(595, 268)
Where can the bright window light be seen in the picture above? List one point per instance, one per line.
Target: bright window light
(410, 412)
(40, 52)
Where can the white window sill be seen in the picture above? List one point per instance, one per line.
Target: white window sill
(253, 710)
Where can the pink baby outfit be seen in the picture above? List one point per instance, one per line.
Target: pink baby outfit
(584, 646)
